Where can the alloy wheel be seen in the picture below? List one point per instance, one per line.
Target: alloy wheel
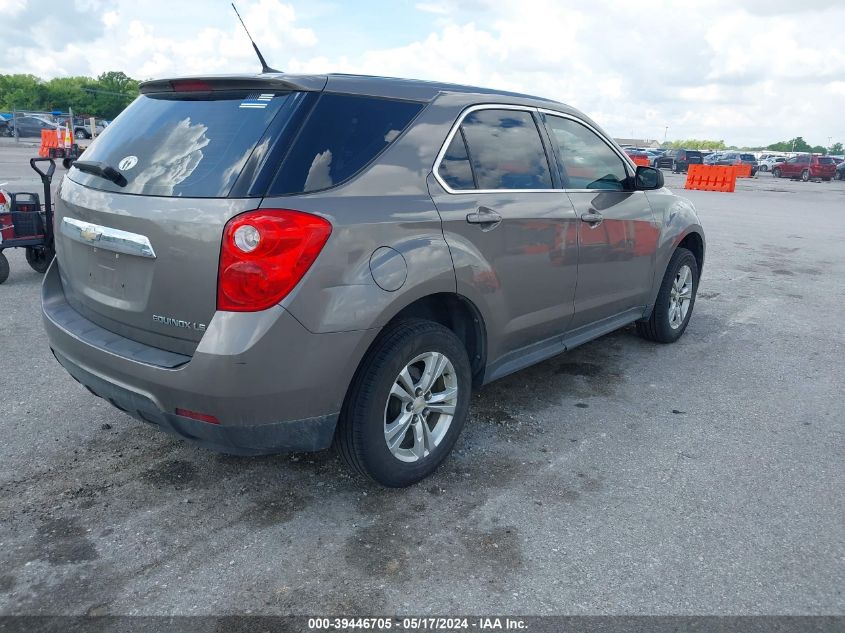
(420, 406)
(680, 296)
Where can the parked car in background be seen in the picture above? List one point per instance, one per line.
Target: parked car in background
(840, 171)
(806, 167)
(768, 163)
(663, 160)
(737, 158)
(5, 127)
(634, 152)
(711, 159)
(31, 126)
(82, 127)
(683, 158)
(321, 302)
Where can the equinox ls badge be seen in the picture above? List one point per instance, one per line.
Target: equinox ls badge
(187, 325)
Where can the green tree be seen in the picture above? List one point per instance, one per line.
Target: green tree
(696, 144)
(103, 97)
(836, 148)
(797, 144)
(21, 92)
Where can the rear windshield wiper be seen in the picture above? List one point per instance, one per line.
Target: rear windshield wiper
(102, 170)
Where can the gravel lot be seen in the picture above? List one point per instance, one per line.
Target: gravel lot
(704, 477)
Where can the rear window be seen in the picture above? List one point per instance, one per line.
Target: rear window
(747, 157)
(192, 145)
(825, 160)
(340, 137)
(693, 153)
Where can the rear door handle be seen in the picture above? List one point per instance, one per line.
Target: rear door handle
(594, 218)
(487, 218)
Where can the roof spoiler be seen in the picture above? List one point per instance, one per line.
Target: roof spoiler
(265, 81)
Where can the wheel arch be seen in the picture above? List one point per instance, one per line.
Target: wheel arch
(458, 314)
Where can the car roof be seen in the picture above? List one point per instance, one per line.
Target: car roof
(389, 87)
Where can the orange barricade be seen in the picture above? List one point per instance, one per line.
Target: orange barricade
(742, 171)
(711, 178)
(641, 161)
(49, 140)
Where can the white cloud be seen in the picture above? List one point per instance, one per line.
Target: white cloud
(748, 72)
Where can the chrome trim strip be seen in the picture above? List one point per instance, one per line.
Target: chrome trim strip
(107, 238)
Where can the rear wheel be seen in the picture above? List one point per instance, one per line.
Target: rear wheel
(764, 168)
(805, 175)
(4, 268)
(675, 300)
(39, 258)
(83, 134)
(407, 404)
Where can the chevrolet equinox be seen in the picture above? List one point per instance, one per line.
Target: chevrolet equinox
(275, 262)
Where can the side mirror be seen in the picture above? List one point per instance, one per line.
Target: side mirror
(648, 178)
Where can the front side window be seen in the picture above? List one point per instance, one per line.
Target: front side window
(588, 162)
(505, 150)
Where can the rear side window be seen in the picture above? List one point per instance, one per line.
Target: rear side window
(505, 150)
(341, 135)
(747, 157)
(825, 160)
(189, 144)
(588, 162)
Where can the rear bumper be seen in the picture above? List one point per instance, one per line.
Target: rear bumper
(273, 385)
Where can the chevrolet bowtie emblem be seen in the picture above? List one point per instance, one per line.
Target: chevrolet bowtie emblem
(90, 234)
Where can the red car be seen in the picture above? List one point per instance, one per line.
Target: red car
(806, 167)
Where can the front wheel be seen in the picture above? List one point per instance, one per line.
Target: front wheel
(39, 258)
(776, 172)
(805, 175)
(764, 168)
(4, 268)
(675, 300)
(407, 404)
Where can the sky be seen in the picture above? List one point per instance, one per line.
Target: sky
(750, 72)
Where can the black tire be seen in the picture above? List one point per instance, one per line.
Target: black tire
(776, 172)
(805, 175)
(657, 327)
(83, 134)
(360, 436)
(4, 268)
(39, 258)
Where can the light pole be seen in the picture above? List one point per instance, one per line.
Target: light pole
(665, 132)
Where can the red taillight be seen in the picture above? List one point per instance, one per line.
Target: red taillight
(202, 417)
(261, 263)
(190, 85)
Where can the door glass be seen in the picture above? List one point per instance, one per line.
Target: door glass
(588, 162)
(506, 151)
(455, 169)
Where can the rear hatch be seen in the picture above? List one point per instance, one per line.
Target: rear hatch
(827, 166)
(138, 253)
(694, 158)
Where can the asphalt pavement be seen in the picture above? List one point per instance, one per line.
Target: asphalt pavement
(624, 477)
